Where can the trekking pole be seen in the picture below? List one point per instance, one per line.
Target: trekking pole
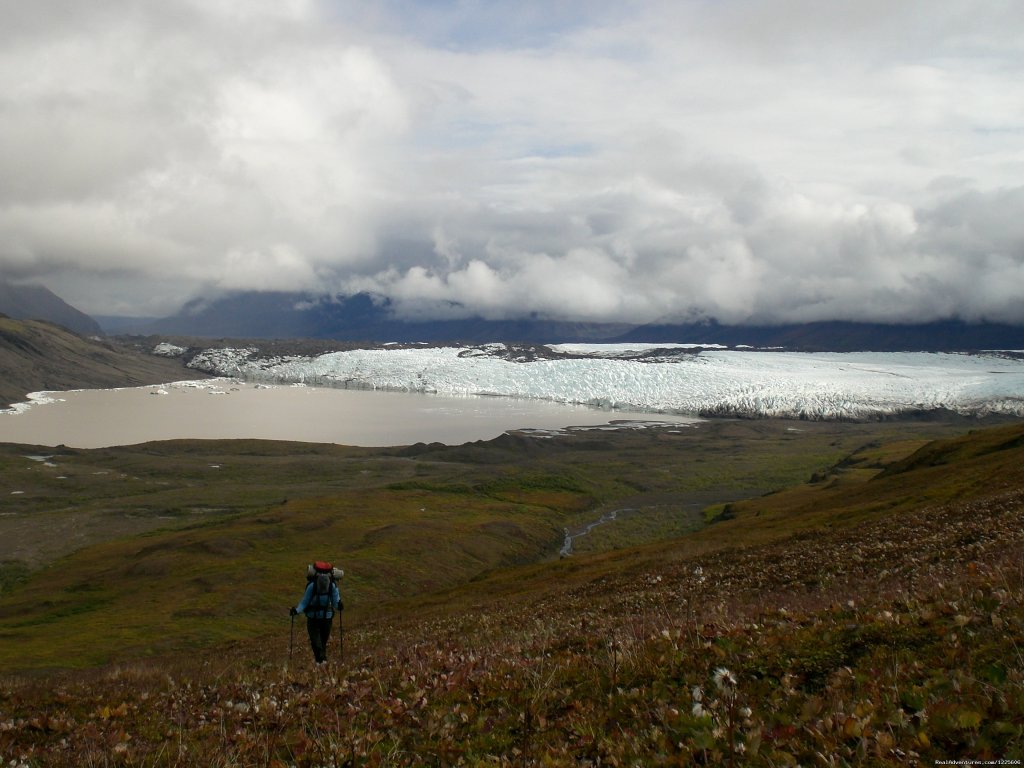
(291, 642)
(341, 636)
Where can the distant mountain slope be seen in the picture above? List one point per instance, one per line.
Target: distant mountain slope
(838, 336)
(279, 315)
(36, 355)
(34, 302)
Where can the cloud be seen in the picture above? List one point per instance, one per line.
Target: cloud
(764, 161)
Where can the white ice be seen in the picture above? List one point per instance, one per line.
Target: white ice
(719, 382)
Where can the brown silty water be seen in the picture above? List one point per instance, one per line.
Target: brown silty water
(221, 409)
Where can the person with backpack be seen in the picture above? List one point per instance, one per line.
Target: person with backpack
(320, 602)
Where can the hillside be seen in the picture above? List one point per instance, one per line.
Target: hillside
(34, 302)
(37, 356)
(368, 319)
(870, 616)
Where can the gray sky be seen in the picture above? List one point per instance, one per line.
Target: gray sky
(748, 160)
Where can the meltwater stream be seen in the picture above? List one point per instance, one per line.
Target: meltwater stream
(607, 517)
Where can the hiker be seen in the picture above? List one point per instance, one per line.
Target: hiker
(319, 603)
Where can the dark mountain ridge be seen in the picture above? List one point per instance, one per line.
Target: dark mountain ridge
(34, 302)
(41, 356)
(364, 318)
(845, 336)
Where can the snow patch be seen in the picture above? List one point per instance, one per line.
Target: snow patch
(165, 349)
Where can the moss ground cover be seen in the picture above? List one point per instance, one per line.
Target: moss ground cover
(872, 615)
(731, 659)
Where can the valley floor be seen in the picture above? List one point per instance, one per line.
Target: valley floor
(897, 641)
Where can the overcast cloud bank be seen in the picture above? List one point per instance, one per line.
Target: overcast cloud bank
(765, 161)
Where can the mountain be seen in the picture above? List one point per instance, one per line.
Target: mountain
(120, 324)
(37, 356)
(361, 317)
(279, 315)
(838, 336)
(34, 302)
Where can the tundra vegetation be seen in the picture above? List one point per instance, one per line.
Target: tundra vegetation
(769, 593)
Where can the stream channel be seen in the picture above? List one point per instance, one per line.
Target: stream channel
(607, 517)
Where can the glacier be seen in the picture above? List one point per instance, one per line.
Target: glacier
(687, 379)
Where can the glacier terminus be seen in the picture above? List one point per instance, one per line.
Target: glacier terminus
(666, 378)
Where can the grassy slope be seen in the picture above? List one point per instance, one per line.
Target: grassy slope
(182, 522)
(37, 356)
(873, 616)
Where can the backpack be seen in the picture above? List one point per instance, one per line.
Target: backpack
(324, 575)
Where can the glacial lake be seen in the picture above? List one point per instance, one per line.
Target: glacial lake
(221, 408)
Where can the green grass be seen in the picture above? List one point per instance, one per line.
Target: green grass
(874, 615)
(237, 575)
(183, 542)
